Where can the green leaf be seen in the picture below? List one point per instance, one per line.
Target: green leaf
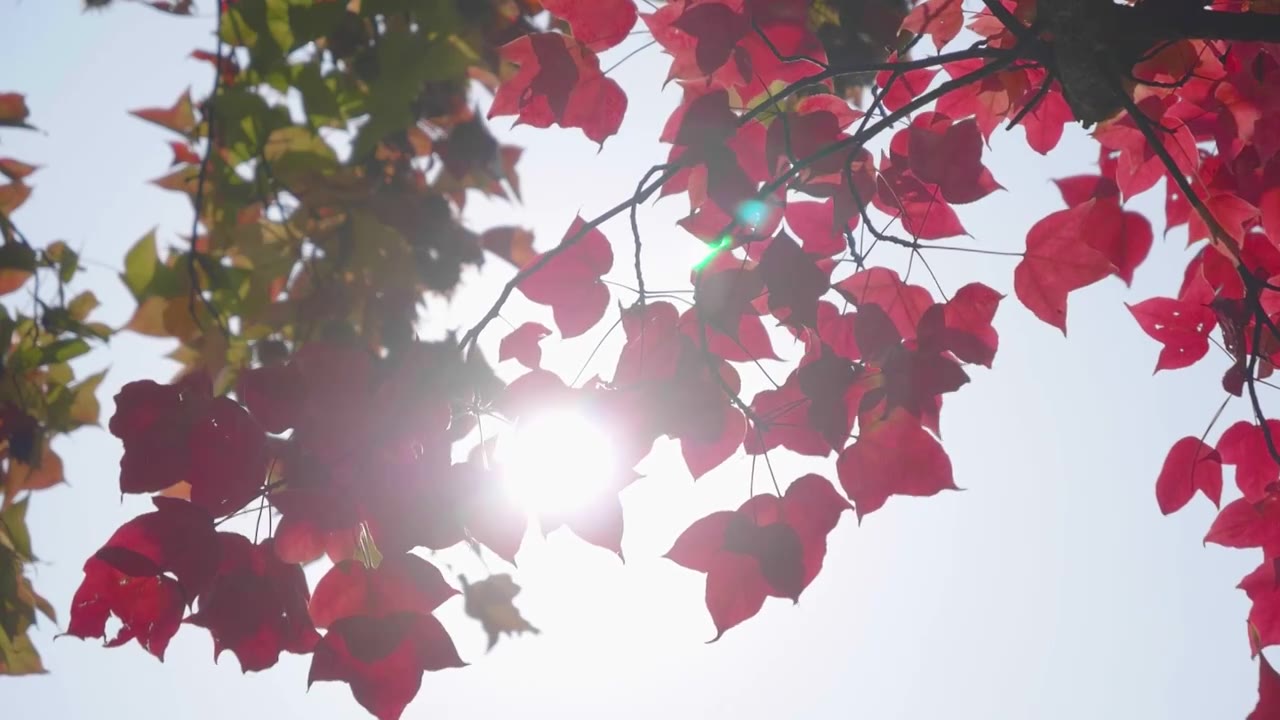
(407, 62)
(13, 523)
(140, 265)
(246, 121)
(312, 21)
(319, 96)
(63, 350)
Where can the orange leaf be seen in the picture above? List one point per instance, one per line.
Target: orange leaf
(180, 118)
(513, 244)
(12, 196)
(13, 110)
(44, 474)
(16, 169)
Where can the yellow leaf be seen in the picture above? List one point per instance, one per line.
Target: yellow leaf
(168, 317)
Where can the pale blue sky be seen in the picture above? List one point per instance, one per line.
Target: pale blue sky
(1051, 588)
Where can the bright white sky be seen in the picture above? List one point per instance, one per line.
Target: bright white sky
(1052, 588)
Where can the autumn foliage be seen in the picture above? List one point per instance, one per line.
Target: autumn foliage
(809, 132)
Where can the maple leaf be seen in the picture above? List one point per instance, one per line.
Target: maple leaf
(1268, 707)
(817, 226)
(149, 608)
(1183, 328)
(383, 658)
(598, 24)
(522, 345)
(940, 19)
(1264, 616)
(570, 282)
(905, 304)
(145, 574)
(1058, 260)
(794, 282)
(895, 456)
(1244, 445)
(769, 546)
(402, 583)
(559, 82)
(256, 606)
(948, 154)
(1246, 524)
(181, 432)
(1190, 465)
(490, 602)
(962, 325)
(180, 117)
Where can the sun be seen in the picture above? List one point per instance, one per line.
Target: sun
(556, 462)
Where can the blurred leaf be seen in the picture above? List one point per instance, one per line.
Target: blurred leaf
(18, 655)
(16, 169)
(17, 264)
(180, 117)
(12, 196)
(13, 110)
(85, 408)
(63, 350)
(319, 97)
(13, 523)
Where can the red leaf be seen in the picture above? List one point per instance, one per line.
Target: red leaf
(177, 538)
(598, 24)
(402, 583)
(570, 281)
(769, 547)
(949, 154)
(149, 608)
(559, 82)
(1058, 260)
(522, 345)
(894, 457)
(784, 421)
(794, 282)
(1268, 707)
(181, 432)
(1183, 328)
(967, 317)
(1244, 445)
(183, 154)
(1080, 189)
(940, 19)
(383, 659)
(1264, 616)
(716, 30)
(1190, 465)
(905, 304)
(906, 87)
(816, 226)
(1243, 524)
(256, 606)
(702, 456)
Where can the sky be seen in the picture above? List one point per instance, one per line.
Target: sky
(1051, 587)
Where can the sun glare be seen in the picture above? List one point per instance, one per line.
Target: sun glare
(556, 462)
